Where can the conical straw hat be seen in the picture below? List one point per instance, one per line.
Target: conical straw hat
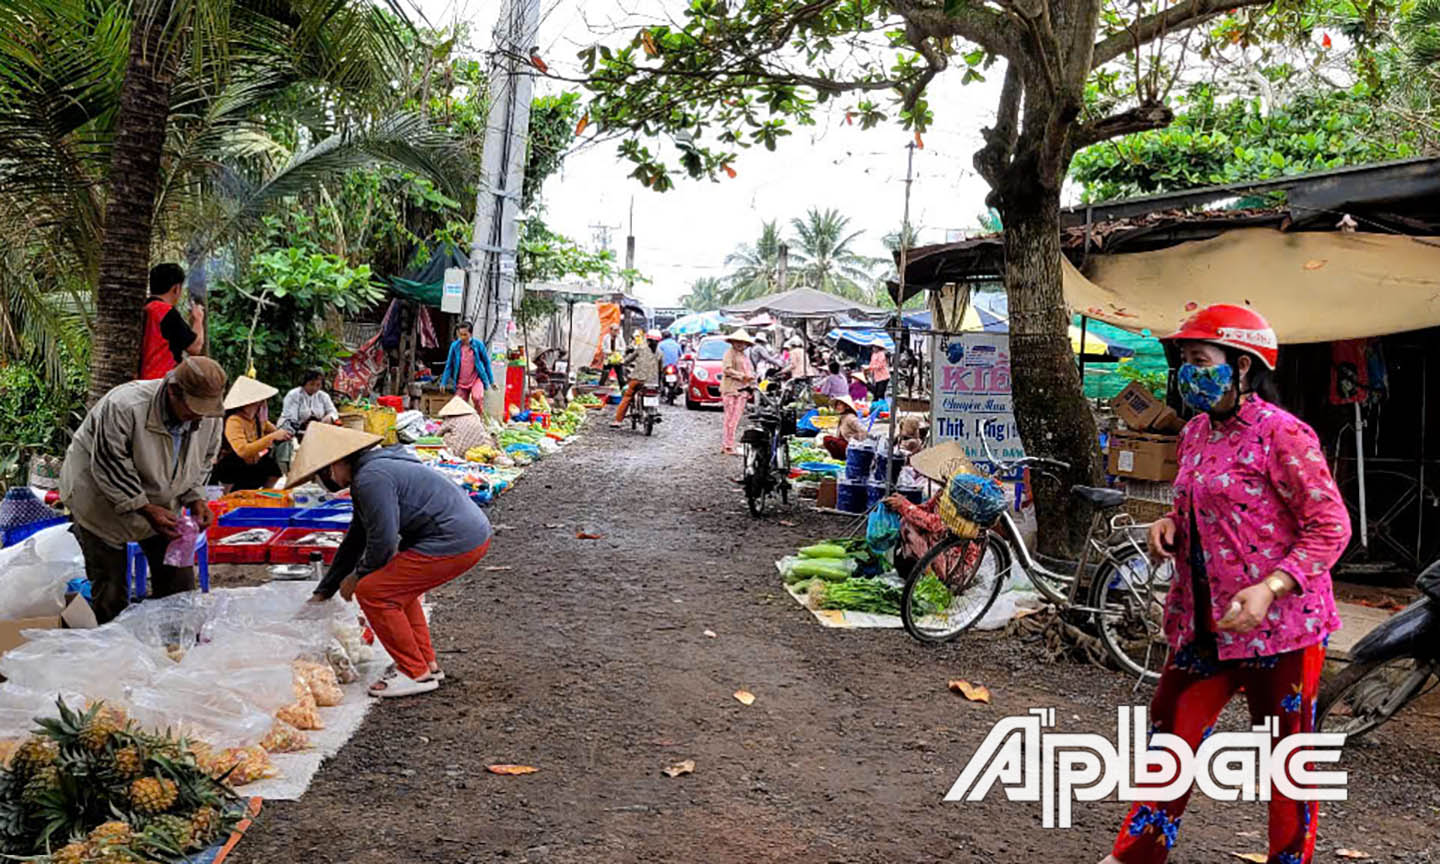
(323, 445)
(456, 407)
(740, 336)
(247, 390)
(942, 461)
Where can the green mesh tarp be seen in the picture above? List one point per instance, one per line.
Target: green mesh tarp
(1104, 380)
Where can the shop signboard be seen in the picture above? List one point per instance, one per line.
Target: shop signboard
(971, 401)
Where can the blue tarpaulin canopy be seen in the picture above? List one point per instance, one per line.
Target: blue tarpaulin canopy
(863, 336)
(698, 323)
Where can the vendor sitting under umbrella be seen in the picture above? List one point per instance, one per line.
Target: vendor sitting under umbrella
(849, 431)
(247, 460)
(463, 428)
(413, 531)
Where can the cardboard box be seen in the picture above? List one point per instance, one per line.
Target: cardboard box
(1137, 406)
(1168, 423)
(825, 497)
(1143, 456)
(77, 615)
(431, 401)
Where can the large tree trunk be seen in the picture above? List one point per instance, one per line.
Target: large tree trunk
(130, 208)
(1050, 406)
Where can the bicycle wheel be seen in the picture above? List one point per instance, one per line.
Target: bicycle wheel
(1129, 600)
(953, 586)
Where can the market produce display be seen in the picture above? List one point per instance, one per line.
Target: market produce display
(844, 574)
(92, 787)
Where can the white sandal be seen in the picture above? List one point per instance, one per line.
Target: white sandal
(403, 685)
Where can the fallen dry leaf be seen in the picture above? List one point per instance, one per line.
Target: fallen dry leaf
(710, 633)
(686, 767)
(1316, 263)
(973, 692)
(1257, 857)
(1353, 853)
(744, 697)
(511, 770)
(586, 535)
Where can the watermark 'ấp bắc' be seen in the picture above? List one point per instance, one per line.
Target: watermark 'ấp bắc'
(1058, 769)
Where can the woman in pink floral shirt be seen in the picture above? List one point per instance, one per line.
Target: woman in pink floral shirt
(1257, 524)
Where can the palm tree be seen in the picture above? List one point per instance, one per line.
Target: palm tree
(83, 111)
(825, 256)
(756, 269)
(706, 294)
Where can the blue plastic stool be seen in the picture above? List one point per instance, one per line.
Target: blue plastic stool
(137, 567)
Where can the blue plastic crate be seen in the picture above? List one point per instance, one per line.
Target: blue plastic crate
(261, 517)
(321, 519)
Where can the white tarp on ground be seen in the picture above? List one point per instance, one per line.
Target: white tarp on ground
(1014, 599)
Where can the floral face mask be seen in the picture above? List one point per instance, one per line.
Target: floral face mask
(1203, 387)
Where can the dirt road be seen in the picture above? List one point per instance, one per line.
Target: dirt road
(589, 660)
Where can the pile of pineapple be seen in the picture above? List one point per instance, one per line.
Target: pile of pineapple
(90, 788)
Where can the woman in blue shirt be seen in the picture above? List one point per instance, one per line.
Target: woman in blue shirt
(467, 368)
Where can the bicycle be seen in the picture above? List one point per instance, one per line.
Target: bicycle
(956, 582)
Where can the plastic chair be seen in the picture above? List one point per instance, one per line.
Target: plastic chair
(137, 567)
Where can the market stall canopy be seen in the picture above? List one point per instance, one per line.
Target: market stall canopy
(804, 303)
(866, 337)
(1310, 286)
(571, 291)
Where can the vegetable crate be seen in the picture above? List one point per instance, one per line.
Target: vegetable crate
(260, 517)
(237, 553)
(287, 548)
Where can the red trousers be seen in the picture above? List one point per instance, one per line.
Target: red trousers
(1193, 689)
(390, 599)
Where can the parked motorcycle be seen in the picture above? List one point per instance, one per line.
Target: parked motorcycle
(670, 387)
(1394, 665)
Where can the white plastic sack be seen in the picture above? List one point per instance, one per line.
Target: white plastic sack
(1006, 607)
(34, 572)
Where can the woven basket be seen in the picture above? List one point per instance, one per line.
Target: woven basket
(959, 525)
(353, 420)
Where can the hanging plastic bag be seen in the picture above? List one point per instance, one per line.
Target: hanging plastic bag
(882, 529)
(181, 551)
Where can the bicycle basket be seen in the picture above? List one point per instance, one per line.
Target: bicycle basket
(971, 503)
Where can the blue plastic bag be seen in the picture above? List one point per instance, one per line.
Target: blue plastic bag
(882, 530)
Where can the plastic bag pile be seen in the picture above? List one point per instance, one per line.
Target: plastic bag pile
(34, 573)
(241, 672)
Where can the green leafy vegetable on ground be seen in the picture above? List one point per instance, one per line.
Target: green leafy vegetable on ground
(862, 595)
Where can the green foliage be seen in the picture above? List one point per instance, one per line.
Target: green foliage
(36, 415)
(1154, 380)
(1213, 142)
(545, 256)
(276, 317)
(552, 127)
(707, 294)
(755, 269)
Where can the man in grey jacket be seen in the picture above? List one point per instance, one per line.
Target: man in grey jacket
(140, 455)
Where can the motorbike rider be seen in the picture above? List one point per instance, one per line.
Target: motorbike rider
(669, 349)
(644, 368)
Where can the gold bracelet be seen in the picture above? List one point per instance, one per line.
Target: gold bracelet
(1277, 585)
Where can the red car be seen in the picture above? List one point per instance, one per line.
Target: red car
(703, 386)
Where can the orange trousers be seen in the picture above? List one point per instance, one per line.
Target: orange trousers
(624, 406)
(390, 599)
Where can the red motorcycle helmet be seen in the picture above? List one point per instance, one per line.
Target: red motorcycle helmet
(1238, 327)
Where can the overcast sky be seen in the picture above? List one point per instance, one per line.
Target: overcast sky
(686, 233)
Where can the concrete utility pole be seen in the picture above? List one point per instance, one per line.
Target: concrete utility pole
(782, 267)
(490, 290)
